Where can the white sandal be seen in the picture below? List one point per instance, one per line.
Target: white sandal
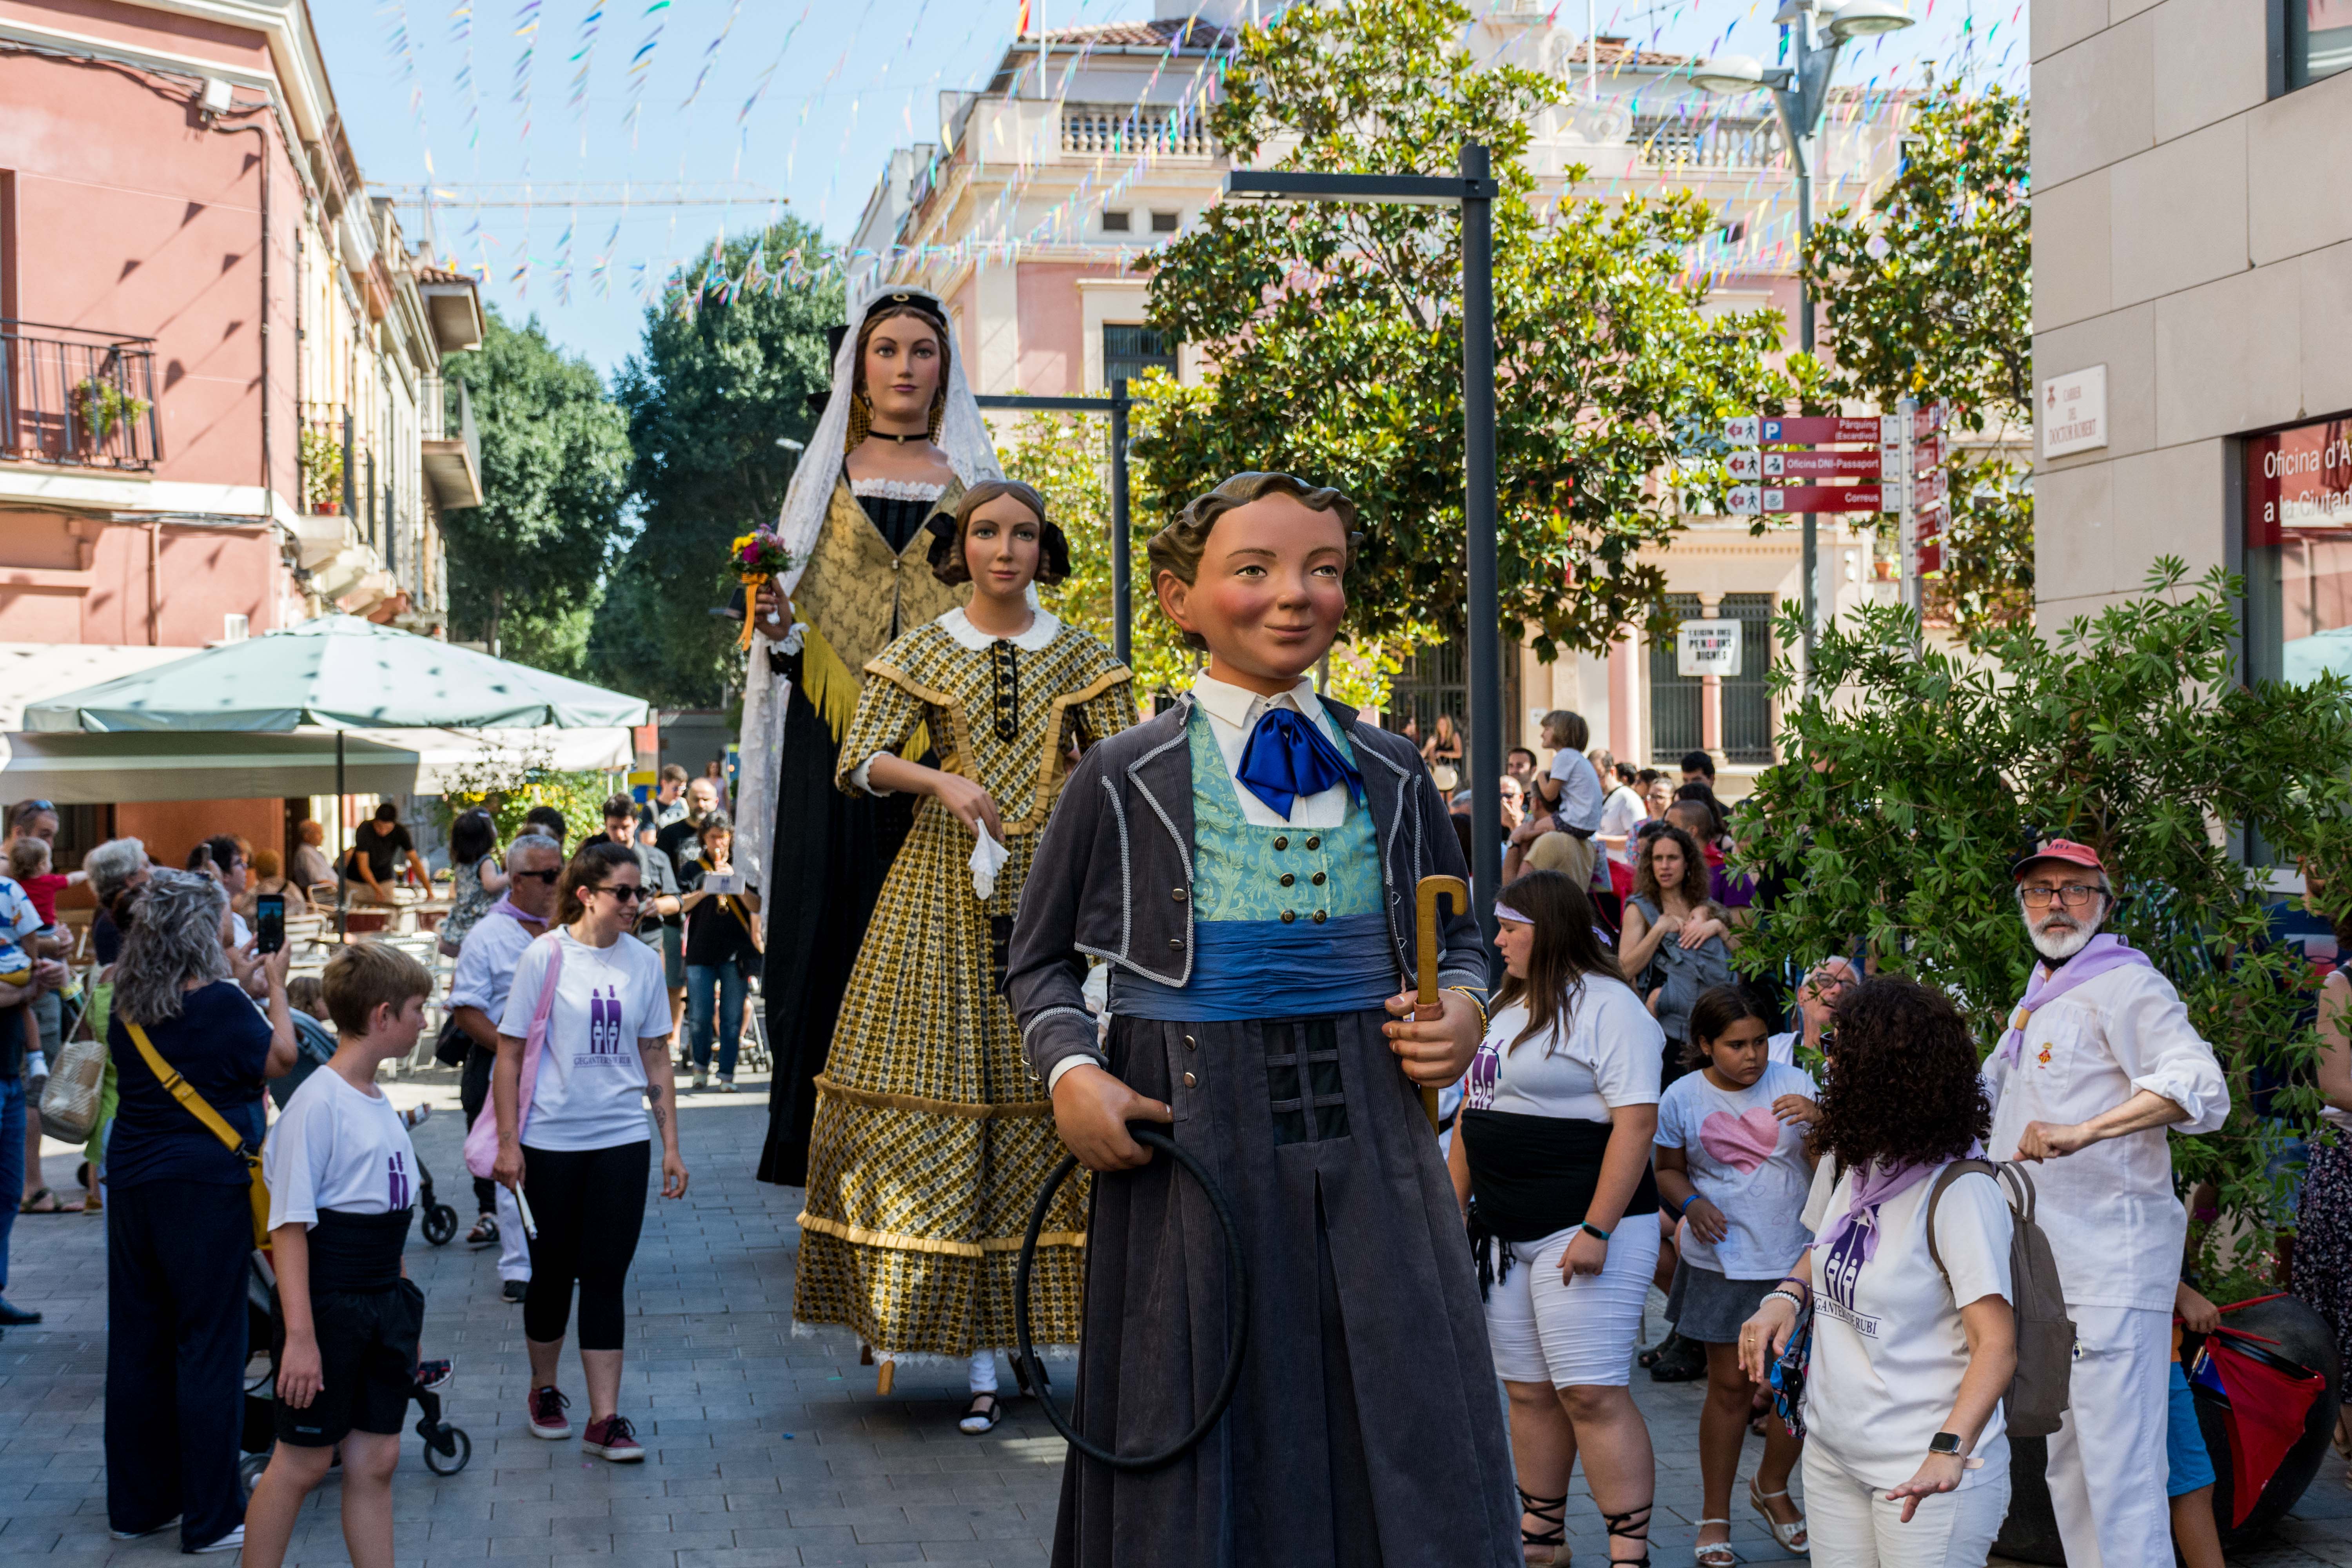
(1716, 1553)
(1786, 1534)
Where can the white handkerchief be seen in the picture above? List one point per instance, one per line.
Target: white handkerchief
(988, 858)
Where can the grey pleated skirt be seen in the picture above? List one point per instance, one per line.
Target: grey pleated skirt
(1708, 1308)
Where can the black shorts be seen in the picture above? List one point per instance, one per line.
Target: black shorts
(367, 1366)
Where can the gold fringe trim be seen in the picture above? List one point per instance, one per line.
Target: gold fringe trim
(859, 1236)
(832, 689)
(1013, 1110)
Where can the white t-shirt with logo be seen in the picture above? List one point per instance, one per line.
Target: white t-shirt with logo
(591, 1085)
(337, 1147)
(1602, 1054)
(1889, 1349)
(1748, 1164)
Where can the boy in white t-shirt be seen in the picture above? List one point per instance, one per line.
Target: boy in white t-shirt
(1731, 1163)
(343, 1190)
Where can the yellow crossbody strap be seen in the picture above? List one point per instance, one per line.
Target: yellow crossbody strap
(169, 1077)
(256, 1187)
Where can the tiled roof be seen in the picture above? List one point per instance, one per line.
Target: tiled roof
(441, 275)
(1154, 35)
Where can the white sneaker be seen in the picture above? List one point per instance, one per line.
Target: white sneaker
(171, 1523)
(233, 1541)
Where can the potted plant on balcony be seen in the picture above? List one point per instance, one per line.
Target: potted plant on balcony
(322, 472)
(99, 406)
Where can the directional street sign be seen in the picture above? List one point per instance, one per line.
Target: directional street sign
(1758, 430)
(1771, 499)
(1931, 556)
(1856, 465)
(1929, 488)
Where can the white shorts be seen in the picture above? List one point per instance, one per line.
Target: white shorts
(1573, 1334)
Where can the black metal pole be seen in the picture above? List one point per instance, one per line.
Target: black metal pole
(1485, 612)
(1122, 604)
(342, 855)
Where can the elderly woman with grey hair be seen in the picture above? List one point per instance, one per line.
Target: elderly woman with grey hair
(180, 1223)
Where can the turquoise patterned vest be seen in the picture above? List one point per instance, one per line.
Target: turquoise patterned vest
(1245, 872)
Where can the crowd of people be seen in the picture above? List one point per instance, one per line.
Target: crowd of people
(1023, 922)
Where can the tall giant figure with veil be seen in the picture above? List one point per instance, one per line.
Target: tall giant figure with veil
(899, 440)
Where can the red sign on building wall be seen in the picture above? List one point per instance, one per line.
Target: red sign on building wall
(2298, 480)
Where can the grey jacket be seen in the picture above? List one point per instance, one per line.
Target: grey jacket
(1113, 874)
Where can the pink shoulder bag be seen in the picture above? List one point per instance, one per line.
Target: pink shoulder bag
(482, 1138)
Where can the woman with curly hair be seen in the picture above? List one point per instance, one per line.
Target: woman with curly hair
(1913, 1339)
(1677, 943)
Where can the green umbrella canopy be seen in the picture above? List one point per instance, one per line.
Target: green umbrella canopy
(340, 672)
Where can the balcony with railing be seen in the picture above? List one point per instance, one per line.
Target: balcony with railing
(1675, 141)
(1134, 129)
(78, 397)
(452, 447)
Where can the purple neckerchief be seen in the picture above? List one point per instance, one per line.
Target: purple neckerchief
(2103, 953)
(506, 906)
(1871, 1188)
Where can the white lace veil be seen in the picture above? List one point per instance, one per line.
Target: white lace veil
(963, 437)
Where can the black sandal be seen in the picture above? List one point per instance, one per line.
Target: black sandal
(972, 1412)
(1634, 1525)
(1550, 1510)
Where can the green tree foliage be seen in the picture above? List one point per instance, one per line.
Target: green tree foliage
(525, 565)
(1333, 335)
(1930, 294)
(509, 787)
(714, 385)
(1910, 781)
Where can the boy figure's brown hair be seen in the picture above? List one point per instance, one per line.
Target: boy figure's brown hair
(361, 976)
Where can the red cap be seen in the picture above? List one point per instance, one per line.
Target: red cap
(2064, 849)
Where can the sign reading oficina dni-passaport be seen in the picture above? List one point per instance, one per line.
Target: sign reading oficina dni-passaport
(1707, 647)
(1771, 500)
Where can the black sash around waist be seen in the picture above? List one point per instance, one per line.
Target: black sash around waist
(357, 1253)
(1533, 1175)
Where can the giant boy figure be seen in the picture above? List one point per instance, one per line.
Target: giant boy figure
(1245, 863)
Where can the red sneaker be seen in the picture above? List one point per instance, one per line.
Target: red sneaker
(615, 1438)
(546, 1408)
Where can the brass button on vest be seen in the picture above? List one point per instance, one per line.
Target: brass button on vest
(1281, 842)
(1314, 842)
(1288, 916)
(1319, 915)
(1318, 879)
(1190, 1044)
(1187, 1081)
(1175, 942)
(1287, 878)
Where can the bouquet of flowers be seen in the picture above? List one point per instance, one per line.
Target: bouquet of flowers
(759, 558)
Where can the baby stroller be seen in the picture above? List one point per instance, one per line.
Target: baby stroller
(447, 1450)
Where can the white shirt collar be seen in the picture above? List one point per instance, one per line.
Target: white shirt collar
(1241, 707)
(1042, 628)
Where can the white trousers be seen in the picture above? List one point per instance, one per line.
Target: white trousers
(514, 1247)
(2107, 1493)
(1852, 1525)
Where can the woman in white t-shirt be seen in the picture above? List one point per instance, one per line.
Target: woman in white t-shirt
(1731, 1165)
(1551, 1160)
(1906, 1458)
(576, 1144)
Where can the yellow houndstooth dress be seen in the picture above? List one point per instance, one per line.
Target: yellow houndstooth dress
(932, 1138)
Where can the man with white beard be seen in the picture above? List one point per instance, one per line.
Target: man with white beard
(2098, 1061)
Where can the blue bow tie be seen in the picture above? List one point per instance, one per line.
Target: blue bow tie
(1286, 757)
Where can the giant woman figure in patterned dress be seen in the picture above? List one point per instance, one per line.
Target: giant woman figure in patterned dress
(898, 441)
(932, 1139)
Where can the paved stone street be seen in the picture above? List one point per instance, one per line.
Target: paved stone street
(763, 1449)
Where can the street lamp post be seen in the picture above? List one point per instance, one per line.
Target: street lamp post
(1473, 190)
(1801, 92)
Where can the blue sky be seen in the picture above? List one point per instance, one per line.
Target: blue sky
(803, 97)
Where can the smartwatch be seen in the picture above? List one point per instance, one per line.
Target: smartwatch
(1945, 1443)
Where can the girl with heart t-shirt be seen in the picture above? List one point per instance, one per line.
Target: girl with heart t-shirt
(1731, 1163)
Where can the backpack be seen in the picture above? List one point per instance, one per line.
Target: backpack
(2045, 1335)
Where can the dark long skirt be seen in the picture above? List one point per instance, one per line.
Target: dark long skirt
(831, 852)
(1367, 1427)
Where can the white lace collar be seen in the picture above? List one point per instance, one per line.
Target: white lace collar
(896, 489)
(1042, 629)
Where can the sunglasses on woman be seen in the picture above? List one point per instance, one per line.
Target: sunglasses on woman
(626, 892)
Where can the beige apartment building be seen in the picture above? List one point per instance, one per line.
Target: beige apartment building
(1088, 146)
(2193, 309)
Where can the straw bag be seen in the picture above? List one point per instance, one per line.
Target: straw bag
(76, 1084)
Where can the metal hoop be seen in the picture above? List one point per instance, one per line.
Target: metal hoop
(1237, 1339)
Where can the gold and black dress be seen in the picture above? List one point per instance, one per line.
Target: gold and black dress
(868, 580)
(932, 1138)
